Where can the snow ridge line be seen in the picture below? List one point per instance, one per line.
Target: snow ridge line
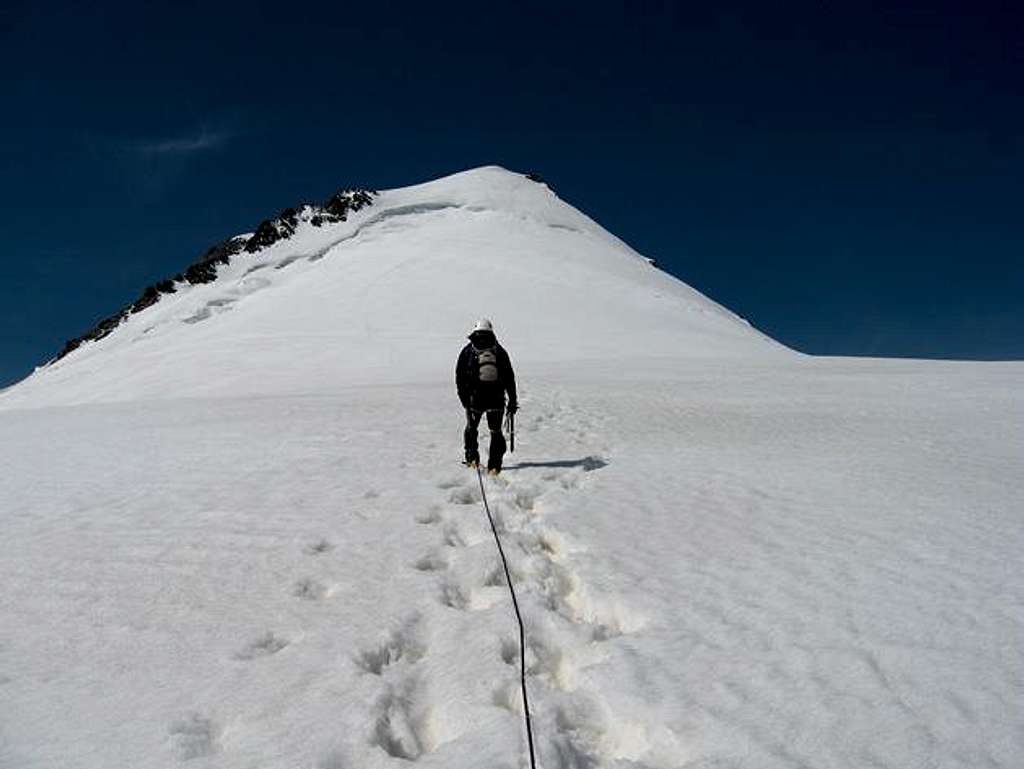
(519, 619)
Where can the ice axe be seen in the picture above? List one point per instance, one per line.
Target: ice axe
(510, 417)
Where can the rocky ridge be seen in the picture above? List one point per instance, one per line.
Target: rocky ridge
(204, 270)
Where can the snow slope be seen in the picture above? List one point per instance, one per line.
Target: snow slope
(245, 541)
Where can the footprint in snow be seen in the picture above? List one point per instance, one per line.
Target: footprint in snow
(264, 646)
(310, 590)
(526, 497)
(458, 594)
(588, 733)
(550, 543)
(496, 577)
(570, 481)
(549, 658)
(459, 534)
(465, 495)
(406, 643)
(605, 617)
(508, 696)
(319, 547)
(405, 724)
(431, 515)
(435, 560)
(509, 651)
(195, 736)
(335, 759)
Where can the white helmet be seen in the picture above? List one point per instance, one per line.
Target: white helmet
(483, 325)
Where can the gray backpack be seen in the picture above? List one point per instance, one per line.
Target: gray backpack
(487, 365)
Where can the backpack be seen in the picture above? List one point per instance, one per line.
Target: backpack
(487, 365)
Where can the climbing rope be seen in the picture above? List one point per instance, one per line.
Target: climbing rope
(519, 619)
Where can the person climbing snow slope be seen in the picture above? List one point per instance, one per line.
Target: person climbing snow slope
(483, 374)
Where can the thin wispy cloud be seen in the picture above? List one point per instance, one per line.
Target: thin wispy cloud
(150, 165)
(180, 146)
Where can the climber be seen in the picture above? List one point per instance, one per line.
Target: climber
(483, 374)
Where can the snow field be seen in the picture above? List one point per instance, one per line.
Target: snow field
(718, 567)
(841, 588)
(282, 580)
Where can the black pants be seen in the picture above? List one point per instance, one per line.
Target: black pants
(497, 447)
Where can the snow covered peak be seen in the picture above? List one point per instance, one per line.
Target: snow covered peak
(382, 287)
(492, 187)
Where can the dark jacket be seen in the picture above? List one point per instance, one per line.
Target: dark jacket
(475, 394)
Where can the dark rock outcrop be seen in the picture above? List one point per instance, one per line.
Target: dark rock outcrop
(204, 270)
(99, 331)
(340, 205)
(272, 230)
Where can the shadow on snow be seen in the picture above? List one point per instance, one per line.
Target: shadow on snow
(587, 463)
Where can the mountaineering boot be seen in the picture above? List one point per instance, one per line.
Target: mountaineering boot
(493, 471)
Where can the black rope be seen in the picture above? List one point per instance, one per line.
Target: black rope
(519, 619)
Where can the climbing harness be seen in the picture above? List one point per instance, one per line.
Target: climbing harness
(519, 619)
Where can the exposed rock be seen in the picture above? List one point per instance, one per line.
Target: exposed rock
(149, 297)
(205, 269)
(100, 330)
(340, 205)
(535, 177)
(272, 230)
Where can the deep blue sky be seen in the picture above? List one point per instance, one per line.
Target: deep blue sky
(850, 180)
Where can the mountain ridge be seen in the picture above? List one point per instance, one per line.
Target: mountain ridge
(409, 269)
(204, 270)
